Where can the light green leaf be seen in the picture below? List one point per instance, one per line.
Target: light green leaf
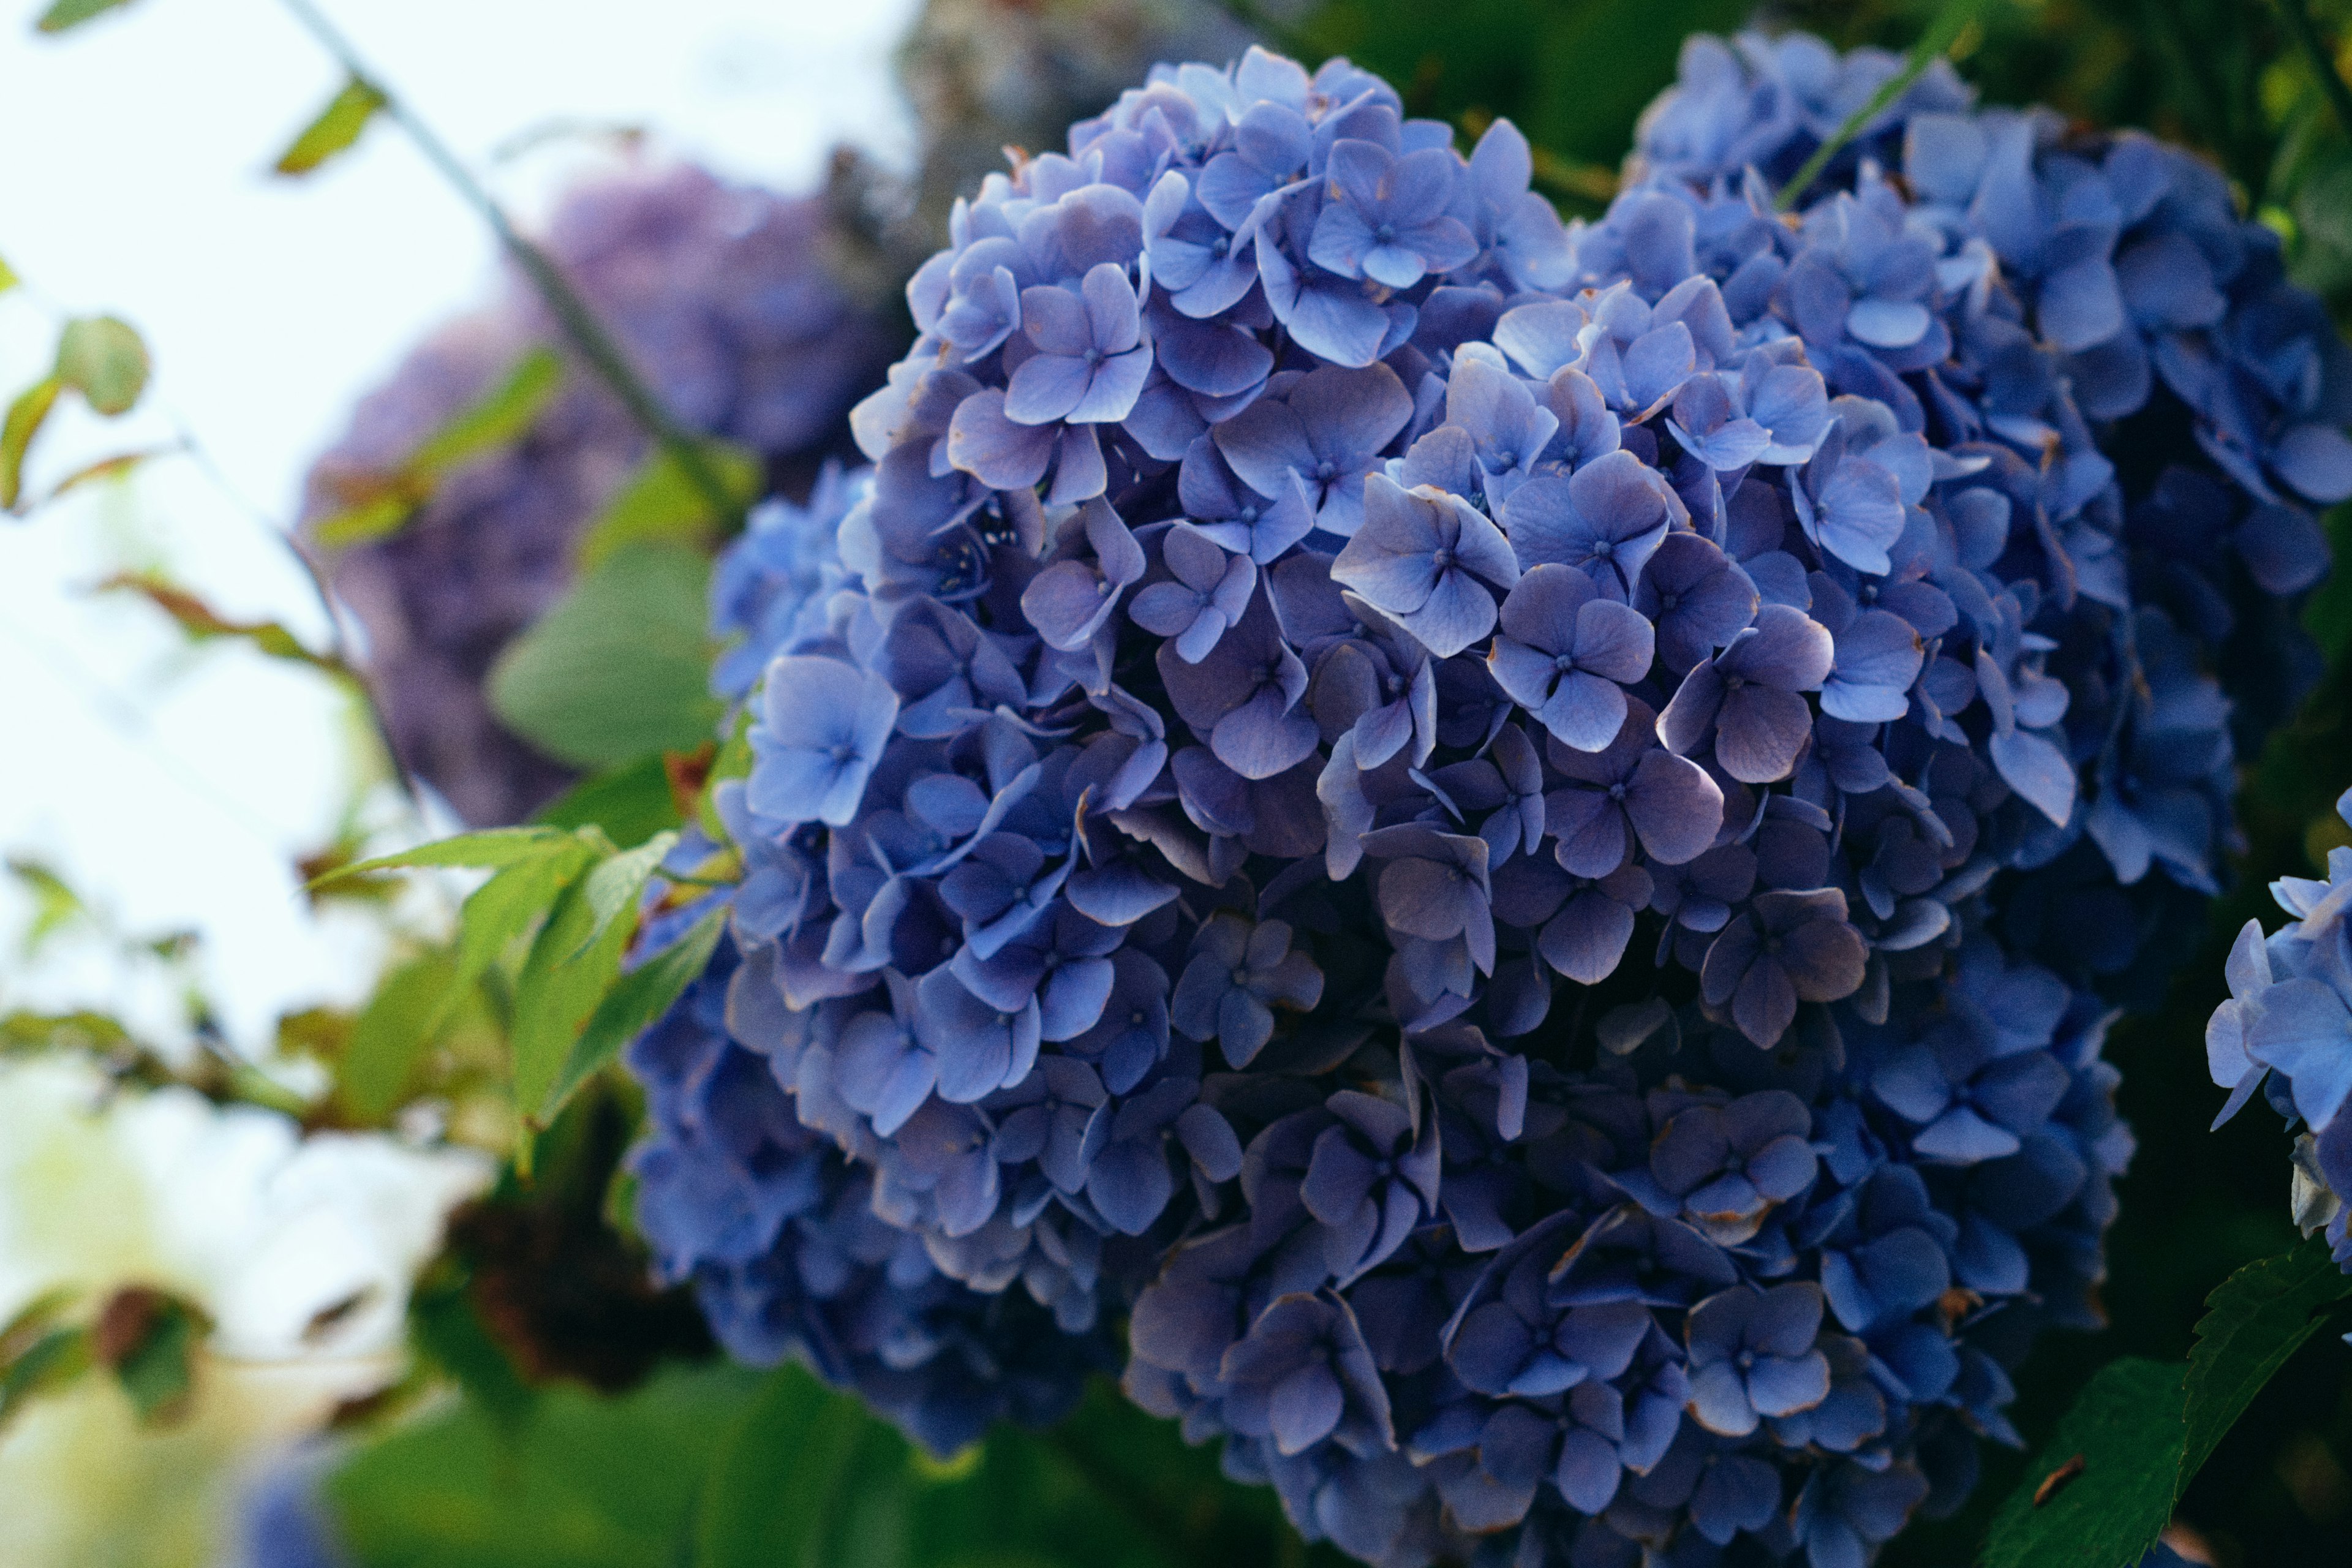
(383, 505)
(2101, 1490)
(634, 1004)
(336, 128)
(614, 886)
(619, 668)
(56, 906)
(393, 1030)
(24, 419)
(486, 850)
(66, 14)
(102, 358)
(660, 503)
(512, 904)
(8, 278)
(2256, 1320)
(566, 975)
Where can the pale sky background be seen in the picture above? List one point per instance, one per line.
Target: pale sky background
(175, 785)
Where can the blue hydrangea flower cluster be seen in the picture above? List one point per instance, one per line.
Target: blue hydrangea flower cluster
(1516, 843)
(2286, 1030)
(724, 297)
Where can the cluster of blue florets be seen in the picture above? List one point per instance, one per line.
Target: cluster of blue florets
(724, 299)
(1516, 843)
(2290, 1015)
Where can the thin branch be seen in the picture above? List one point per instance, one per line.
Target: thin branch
(572, 316)
(1932, 46)
(2331, 79)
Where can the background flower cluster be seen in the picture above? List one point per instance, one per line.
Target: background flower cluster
(1518, 843)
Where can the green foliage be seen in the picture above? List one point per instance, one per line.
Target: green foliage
(148, 1337)
(634, 1004)
(385, 503)
(102, 358)
(56, 906)
(630, 803)
(663, 502)
(39, 1353)
(65, 13)
(8, 278)
(619, 668)
(23, 422)
(335, 129)
(394, 1031)
(571, 967)
(2105, 1484)
(201, 623)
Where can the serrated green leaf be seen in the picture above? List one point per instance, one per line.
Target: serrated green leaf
(334, 129)
(2127, 1429)
(619, 668)
(614, 886)
(631, 803)
(634, 1003)
(384, 504)
(26, 414)
(393, 1032)
(2256, 1320)
(486, 850)
(66, 14)
(104, 359)
(660, 503)
(566, 975)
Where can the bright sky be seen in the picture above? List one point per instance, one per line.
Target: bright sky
(176, 785)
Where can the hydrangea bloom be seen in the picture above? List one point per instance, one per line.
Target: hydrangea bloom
(723, 297)
(2287, 1031)
(1489, 838)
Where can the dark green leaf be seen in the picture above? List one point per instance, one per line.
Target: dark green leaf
(617, 670)
(569, 971)
(149, 1338)
(66, 14)
(632, 1004)
(24, 420)
(631, 803)
(662, 502)
(336, 128)
(393, 1032)
(578, 1481)
(775, 1493)
(2258, 1318)
(445, 1328)
(2125, 1428)
(102, 358)
(47, 1361)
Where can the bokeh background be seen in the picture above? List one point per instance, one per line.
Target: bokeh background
(164, 799)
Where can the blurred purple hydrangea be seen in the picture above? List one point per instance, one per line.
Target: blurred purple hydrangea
(1519, 850)
(731, 306)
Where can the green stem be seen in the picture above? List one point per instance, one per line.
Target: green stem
(572, 316)
(1931, 47)
(2331, 81)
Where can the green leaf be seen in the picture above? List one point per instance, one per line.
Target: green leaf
(2255, 1321)
(580, 1481)
(444, 1326)
(56, 906)
(569, 969)
(102, 358)
(202, 623)
(661, 503)
(336, 128)
(66, 14)
(512, 904)
(619, 668)
(631, 803)
(777, 1489)
(8, 278)
(45, 1362)
(614, 885)
(149, 1338)
(24, 420)
(634, 1003)
(393, 1030)
(2125, 1430)
(486, 850)
(383, 504)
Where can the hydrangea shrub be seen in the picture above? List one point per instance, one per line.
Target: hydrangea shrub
(1512, 844)
(725, 299)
